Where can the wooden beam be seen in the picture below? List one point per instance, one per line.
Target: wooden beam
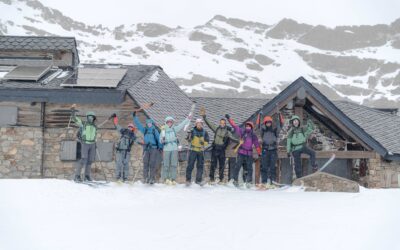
(339, 154)
(337, 122)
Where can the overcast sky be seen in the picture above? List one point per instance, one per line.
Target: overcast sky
(189, 13)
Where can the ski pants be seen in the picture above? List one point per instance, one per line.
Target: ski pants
(170, 163)
(232, 167)
(217, 157)
(268, 165)
(193, 157)
(151, 159)
(88, 155)
(122, 164)
(247, 162)
(297, 159)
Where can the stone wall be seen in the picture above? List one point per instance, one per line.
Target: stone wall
(382, 174)
(324, 182)
(20, 152)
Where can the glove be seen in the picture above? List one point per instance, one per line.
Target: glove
(202, 111)
(202, 143)
(228, 116)
(189, 117)
(134, 113)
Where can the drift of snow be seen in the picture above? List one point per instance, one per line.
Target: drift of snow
(59, 214)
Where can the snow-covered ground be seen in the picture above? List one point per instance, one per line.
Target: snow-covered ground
(58, 214)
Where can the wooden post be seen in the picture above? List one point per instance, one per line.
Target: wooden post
(257, 171)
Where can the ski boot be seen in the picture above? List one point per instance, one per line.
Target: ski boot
(188, 183)
(87, 178)
(167, 182)
(173, 183)
(77, 178)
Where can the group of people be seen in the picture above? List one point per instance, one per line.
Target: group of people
(163, 146)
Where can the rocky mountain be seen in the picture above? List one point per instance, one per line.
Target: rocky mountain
(234, 57)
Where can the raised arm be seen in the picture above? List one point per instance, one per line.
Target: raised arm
(76, 119)
(181, 125)
(138, 124)
(310, 128)
(237, 129)
(211, 125)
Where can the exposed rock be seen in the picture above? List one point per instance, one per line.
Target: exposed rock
(213, 48)
(288, 29)
(346, 37)
(239, 23)
(200, 36)
(36, 31)
(153, 29)
(324, 182)
(254, 66)
(263, 60)
(346, 65)
(240, 54)
(160, 47)
(104, 47)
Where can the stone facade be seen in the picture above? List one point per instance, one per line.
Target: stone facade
(324, 182)
(382, 174)
(20, 152)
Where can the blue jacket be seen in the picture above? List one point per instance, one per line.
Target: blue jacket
(150, 134)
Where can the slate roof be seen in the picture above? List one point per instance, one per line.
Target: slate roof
(168, 98)
(382, 126)
(50, 43)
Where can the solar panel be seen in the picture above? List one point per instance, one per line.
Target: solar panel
(27, 73)
(96, 78)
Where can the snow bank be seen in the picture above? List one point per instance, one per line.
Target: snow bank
(58, 214)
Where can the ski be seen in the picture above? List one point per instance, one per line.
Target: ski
(333, 156)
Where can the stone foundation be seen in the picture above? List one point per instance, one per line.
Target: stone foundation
(324, 182)
(20, 152)
(382, 174)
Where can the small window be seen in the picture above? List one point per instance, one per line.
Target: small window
(105, 151)
(8, 116)
(68, 151)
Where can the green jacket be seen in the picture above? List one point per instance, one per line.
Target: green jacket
(221, 135)
(88, 130)
(297, 136)
(168, 136)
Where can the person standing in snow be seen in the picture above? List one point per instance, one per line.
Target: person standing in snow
(248, 139)
(87, 136)
(198, 139)
(297, 143)
(124, 145)
(222, 135)
(269, 138)
(170, 142)
(152, 148)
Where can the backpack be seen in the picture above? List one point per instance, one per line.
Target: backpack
(146, 130)
(226, 139)
(79, 134)
(126, 134)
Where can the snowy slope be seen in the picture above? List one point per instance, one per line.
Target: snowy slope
(228, 56)
(59, 214)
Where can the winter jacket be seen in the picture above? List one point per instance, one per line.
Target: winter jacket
(269, 136)
(198, 139)
(221, 135)
(88, 130)
(297, 136)
(126, 140)
(168, 137)
(150, 134)
(249, 139)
